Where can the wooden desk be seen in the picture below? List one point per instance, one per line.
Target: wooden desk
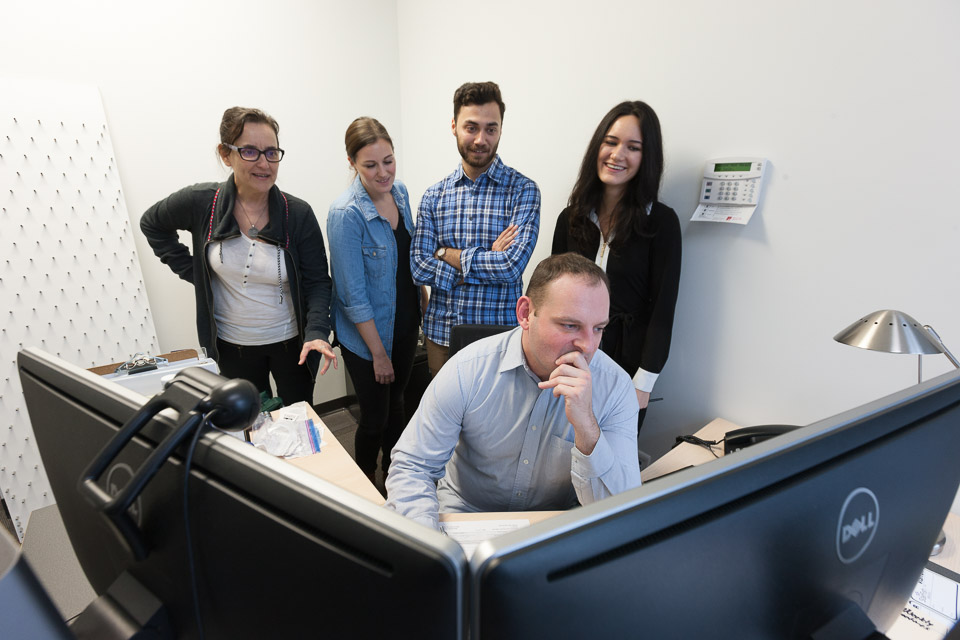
(335, 465)
(687, 455)
(532, 516)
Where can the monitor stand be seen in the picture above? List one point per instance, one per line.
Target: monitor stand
(127, 611)
(851, 624)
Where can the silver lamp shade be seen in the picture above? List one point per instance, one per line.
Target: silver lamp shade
(895, 332)
(891, 332)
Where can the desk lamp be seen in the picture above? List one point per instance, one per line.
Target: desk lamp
(896, 332)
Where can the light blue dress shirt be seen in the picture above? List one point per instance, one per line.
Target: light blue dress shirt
(363, 264)
(492, 440)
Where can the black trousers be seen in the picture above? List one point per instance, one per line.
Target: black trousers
(256, 363)
(382, 417)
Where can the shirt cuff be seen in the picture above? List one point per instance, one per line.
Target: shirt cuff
(413, 507)
(644, 380)
(446, 276)
(589, 467)
(358, 313)
(466, 259)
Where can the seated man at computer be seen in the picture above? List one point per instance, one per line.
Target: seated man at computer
(533, 419)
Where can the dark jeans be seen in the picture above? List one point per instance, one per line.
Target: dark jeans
(256, 363)
(381, 405)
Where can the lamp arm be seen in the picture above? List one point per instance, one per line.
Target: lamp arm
(953, 360)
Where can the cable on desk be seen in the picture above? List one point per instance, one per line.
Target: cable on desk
(700, 442)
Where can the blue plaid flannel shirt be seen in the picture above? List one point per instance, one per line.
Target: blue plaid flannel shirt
(463, 214)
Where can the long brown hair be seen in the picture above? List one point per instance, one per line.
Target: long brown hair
(628, 216)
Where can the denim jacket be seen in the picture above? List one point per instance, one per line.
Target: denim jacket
(363, 262)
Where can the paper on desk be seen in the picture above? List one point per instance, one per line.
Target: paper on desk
(471, 533)
(931, 611)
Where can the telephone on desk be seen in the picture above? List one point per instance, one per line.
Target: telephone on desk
(743, 438)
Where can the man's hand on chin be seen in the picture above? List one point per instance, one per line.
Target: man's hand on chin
(571, 379)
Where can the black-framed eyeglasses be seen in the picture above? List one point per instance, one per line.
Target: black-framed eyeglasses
(251, 154)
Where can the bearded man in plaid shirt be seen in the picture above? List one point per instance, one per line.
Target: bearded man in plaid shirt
(476, 228)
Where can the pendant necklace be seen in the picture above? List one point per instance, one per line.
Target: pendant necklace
(253, 231)
(604, 243)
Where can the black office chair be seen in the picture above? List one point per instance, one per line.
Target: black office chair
(463, 334)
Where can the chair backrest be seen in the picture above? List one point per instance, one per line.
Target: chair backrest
(463, 334)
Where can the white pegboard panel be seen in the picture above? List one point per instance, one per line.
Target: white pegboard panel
(70, 279)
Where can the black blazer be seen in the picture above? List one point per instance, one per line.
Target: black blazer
(644, 280)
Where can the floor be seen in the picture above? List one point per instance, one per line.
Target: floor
(343, 424)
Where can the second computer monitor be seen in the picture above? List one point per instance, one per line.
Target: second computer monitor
(826, 528)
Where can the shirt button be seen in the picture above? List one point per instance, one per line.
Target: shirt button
(526, 462)
(520, 493)
(534, 427)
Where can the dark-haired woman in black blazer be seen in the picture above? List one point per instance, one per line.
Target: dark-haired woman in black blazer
(614, 218)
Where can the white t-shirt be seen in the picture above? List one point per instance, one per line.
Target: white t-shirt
(251, 293)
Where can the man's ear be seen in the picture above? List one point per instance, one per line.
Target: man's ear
(453, 127)
(524, 312)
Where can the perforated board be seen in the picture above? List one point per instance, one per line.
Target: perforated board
(70, 280)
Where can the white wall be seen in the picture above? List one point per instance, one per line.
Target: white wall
(166, 72)
(853, 103)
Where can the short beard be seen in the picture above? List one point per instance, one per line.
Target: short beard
(488, 159)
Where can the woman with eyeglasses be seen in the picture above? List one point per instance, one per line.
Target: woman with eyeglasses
(614, 218)
(376, 305)
(257, 263)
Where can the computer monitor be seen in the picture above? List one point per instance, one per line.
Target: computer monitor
(278, 551)
(825, 529)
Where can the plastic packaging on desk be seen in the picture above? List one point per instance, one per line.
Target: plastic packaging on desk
(291, 435)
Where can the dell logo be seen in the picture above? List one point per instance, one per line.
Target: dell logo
(857, 524)
(861, 524)
(118, 477)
